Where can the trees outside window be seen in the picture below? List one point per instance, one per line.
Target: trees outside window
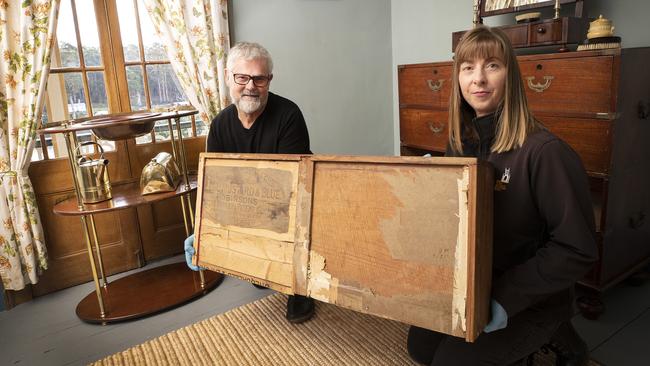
(88, 62)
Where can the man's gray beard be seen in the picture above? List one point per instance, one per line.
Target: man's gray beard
(249, 106)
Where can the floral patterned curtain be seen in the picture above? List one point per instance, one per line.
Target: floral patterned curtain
(196, 37)
(26, 31)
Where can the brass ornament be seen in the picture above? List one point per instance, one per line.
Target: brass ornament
(161, 174)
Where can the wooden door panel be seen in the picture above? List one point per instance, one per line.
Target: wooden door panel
(162, 228)
(54, 175)
(128, 238)
(68, 257)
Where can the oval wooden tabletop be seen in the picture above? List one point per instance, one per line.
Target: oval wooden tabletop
(146, 293)
(124, 196)
(108, 120)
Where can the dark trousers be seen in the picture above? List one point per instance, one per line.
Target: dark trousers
(526, 332)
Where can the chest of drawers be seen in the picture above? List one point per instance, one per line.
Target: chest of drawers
(596, 101)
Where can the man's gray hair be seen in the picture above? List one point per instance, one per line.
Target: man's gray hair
(249, 51)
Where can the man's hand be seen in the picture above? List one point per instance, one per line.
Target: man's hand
(189, 252)
(498, 318)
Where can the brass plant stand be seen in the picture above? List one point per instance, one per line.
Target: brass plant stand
(154, 290)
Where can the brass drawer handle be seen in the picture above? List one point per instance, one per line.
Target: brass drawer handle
(434, 129)
(437, 86)
(539, 87)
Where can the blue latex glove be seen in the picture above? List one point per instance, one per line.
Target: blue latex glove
(498, 318)
(189, 252)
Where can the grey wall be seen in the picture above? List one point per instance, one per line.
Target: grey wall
(337, 59)
(333, 58)
(630, 18)
(421, 30)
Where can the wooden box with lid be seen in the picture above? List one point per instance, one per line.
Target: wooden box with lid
(596, 101)
(405, 238)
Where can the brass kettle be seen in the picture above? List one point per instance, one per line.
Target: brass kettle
(161, 174)
(92, 175)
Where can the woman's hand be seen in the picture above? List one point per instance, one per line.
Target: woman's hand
(498, 317)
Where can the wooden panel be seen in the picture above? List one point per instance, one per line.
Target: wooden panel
(247, 214)
(393, 241)
(403, 238)
(161, 224)
(578, 85)
(479, 252)
(123, 248)
(162, 229)
(424, 129)
(68, 260)
(590, 138)
(427, 85)
(55, 175)
(193, 148)
(106, 39)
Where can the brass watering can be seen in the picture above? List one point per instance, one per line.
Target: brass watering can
(92, 175)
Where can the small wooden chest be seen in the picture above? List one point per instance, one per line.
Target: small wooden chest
(405, 238)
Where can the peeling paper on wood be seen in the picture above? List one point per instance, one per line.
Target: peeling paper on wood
(320, 282)
(459, 293)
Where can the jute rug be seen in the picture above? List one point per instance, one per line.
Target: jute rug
(258, 334)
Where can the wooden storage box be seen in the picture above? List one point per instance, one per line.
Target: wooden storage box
(405, 238)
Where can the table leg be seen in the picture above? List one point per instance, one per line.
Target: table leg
(100, 260)
(89, 247)
(70, 141)
(182, 160)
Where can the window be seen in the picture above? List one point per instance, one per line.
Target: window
(151, 81)
(88, 61)
(76, 86)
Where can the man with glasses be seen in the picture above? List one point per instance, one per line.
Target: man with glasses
(258, 122)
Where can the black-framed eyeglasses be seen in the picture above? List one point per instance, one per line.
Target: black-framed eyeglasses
(258, 80)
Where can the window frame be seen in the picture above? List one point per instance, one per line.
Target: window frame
(113, 68)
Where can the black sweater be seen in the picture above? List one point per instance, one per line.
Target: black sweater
(280, 129)
(544, 231)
